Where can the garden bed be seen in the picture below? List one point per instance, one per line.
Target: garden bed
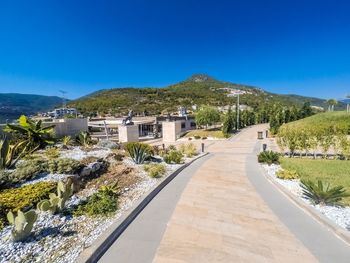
(338, 214)
(62, 237)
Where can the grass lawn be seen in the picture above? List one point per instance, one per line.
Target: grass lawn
(215, 133)
(335, 172)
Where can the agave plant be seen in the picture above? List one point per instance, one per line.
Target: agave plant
(34, 134)
(139, 152)
(8, 153)
(322, 193)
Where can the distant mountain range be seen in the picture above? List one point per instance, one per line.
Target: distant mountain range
(199, 89)
(12, 105)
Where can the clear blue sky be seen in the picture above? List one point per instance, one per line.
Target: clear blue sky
(283, 46)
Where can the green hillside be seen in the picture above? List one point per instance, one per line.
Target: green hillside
(199, 89)
(339, 120)
(12, 105)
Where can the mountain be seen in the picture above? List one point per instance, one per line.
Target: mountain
(199, 89)
(12, 105)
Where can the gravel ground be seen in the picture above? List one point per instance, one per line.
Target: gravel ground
(59, 238)
(78, 154)
(339, 215)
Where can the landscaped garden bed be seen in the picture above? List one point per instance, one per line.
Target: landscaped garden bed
(322, 184)
(70, 191)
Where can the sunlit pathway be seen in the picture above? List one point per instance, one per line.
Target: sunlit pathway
(222, 209)
(221, 218)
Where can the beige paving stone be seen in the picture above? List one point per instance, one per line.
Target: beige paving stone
(220, 217)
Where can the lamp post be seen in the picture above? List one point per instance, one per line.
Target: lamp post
(237, 110)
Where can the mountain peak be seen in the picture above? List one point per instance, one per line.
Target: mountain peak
(200, 78)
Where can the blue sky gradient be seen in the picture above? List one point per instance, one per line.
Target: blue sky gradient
(300, 47)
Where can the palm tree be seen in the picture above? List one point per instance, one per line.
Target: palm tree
(331, 103)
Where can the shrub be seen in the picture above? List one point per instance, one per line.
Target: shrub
(189, 149)
(138, 151)
(27, 170)
(204, 138)
(190, 138)
(4, 177)
(64, 166)
(155, 170)
(52, 153)
(84, 139)
(8, 158)
(173, 156)
(102, 203)
(24, 198)
(322, 193)
(268, 157)
(33, 134)
(287, 174)
(196, 137)
(67, 141)
(171, 147)
(156, 149)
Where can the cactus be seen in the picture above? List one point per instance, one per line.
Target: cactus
(23, 224)
(56, 202)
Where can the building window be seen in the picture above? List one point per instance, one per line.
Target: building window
(183, 125)
(193, 124)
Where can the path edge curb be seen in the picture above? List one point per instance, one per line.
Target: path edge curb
(315, 214)
(94, 252)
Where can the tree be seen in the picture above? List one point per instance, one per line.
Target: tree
(229, 123)
(207, 116)
(306, 110)
(331, 103)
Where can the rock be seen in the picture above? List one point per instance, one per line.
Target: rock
(92, 169)
(108, 144)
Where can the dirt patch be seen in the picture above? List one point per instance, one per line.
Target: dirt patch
(118, 172)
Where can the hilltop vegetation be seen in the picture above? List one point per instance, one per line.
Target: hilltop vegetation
(13, 105)
(197, 90)
(326, 131)
(337, 120)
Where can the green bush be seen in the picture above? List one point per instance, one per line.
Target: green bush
(173, 156)
(171, 147)
(52, 153)
(196, 137)
(64, 166)
(27, 170)
(287, 174)
(24, 197)
(189, 149)
(4, 177)
(268, 157)
(84, 139)
(138, 151)
(155, 170)
(102, 203)
(322, 193)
